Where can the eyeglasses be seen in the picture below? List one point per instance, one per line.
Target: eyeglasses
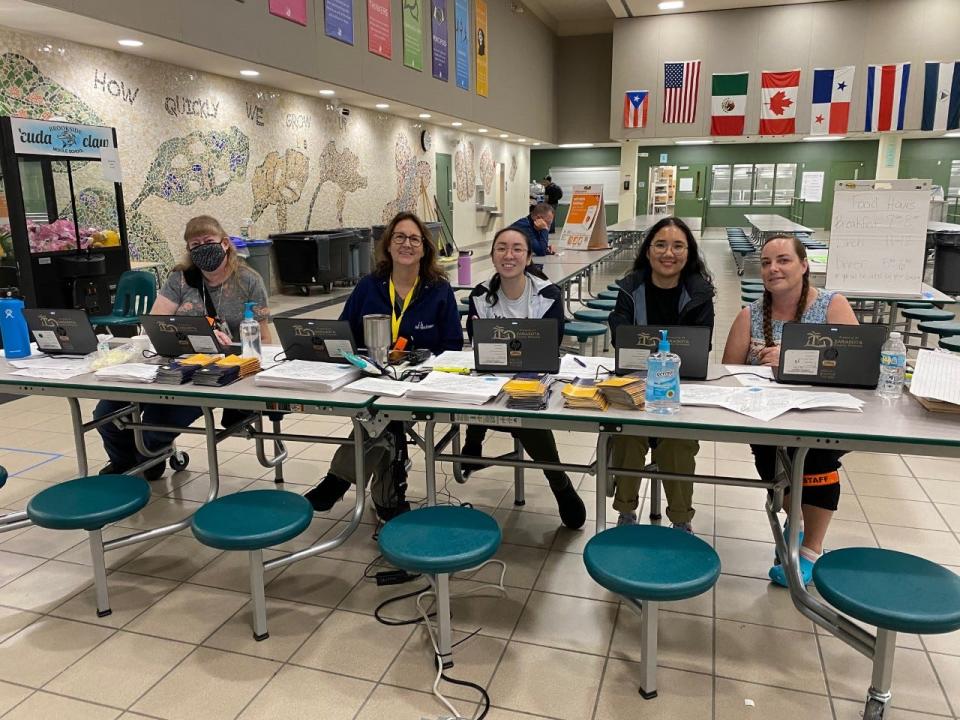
(198, 241)
(511, 249)
(399, 239)
(661, 247)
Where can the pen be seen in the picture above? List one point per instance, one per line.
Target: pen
(578, 361)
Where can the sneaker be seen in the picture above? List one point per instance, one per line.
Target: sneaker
(386, 514)
(325, 495)
(627, 518)
(779, 576)
(151, 474)
(572, 511)
(685, 526)
(472, 450)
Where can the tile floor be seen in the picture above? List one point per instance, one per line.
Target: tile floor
(178, 644)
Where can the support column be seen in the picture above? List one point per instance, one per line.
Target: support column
(628, 171)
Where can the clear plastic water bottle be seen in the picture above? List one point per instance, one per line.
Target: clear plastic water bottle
(893, 365)
(663, 379)
(249, 333)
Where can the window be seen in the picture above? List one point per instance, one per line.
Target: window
(786, 184)
(954, 189)
(763, 184)
(720, 185)
(741, 184)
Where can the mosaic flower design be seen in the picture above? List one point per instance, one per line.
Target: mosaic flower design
(464, 169)
(27, 92)
(413, 181)
(342, 168)
(487, 170)
(513, 167)
(279, 181)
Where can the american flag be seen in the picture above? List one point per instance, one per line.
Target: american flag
(681, 84)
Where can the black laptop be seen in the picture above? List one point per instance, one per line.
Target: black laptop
(173, 336)
(61, 332)
(318, 340)
(512, 345)
(635, 343)
(844, 355)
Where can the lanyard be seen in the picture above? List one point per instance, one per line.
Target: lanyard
(395, 320)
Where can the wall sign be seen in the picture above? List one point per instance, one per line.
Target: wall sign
(439, 42)
(292, 10)
(379, 30)
(483, 49)
(412, 34)
(461, 18)
(811, 186)
(39, 137)
(338, 20)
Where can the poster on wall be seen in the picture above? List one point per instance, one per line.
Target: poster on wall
(811, 186)
(292, 10)
(379, 31)
(483, 48)
(412, 34)
(41, 137)
(586, 226)
(338, 20)
(461, 19)
(438, 36)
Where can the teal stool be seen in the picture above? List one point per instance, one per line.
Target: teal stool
(596, 316)
(463, 307)
(896, 592)
(750, 296)
(3, 476)
(943, 328)
(647, 565)
(614, 287)
(582, 331)
(950, 343)
(136, 293)
(914, 305)
(438, 541)
(90, 503)
(608, 295)
(607, 305)
(252, 521)
(926, 314)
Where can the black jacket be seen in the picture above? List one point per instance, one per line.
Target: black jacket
(696, 302)
(548, 303)
(553, 193)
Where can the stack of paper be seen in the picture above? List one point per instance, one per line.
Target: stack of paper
(307, 375)
(461, 359)
(586, 367)
(936, 376)
(585, 395)
(51, 368)
(626, 392)
(380, 386)
(766, 403)
(527, 393)
(129, 372)
(470, 389)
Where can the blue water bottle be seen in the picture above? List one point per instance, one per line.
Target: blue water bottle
(663, 379)
(13, 329)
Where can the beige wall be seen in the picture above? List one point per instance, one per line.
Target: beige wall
(583, 81)
(829, 34)
(521, 54)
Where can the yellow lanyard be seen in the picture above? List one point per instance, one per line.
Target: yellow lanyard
(394, 319)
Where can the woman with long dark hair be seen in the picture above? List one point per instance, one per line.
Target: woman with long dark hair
(669, 285)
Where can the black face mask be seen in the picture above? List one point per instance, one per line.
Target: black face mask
(208, 257)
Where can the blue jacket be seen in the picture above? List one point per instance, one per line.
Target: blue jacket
(539, 239)
(431, 322)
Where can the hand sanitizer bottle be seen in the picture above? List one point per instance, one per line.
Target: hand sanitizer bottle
(249, 333)
(663, 379)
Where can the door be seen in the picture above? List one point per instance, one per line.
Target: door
(691, 190)
(445, 194)
(846, 170)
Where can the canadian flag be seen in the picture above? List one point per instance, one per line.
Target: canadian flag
(778, 114)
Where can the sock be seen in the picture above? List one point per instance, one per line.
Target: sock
(809, 554)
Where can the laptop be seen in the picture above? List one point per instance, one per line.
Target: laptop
(844, 355)
(318, 340)
(511, 346)
(635, 343)
(173, 336)
(61, 332)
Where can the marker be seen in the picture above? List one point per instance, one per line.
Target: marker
(454, 370)
(578, 361)
(364, 365)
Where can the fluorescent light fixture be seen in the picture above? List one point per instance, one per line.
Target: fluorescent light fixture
(249, 73)
(425, 116)
(130, 43)
(952, 135)
(704, 141)
(521, 139)
(327, 93)
(536, 144)
(504, 135)
(670, 5)
(823, 138)
(575, 145)
(456, 124)
(481, 130)
(381, 106)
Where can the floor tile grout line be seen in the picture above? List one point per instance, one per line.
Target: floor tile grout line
(606, 661)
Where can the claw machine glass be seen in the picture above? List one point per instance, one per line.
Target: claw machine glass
(64, 240)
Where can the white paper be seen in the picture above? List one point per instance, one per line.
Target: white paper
(462, 359)
(470, 389)
(747, 374)
(268, 353)
(110, 164)
(584, 366)
(801, 362)
(633, 358)
(129, 372)
(52, 363)
(686, 184)
(203, 344)
(337, 348)
(936, 375)
(380, 386)
(492, 353)
(47, 339)
(51, 373)
(811, 186)
(303, 374)
(765, 404)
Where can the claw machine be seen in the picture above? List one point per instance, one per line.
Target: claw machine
(63, 234)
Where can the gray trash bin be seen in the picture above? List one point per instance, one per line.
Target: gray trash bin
(946, 263)
(259, 258)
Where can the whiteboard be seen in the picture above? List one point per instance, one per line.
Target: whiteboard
(567, 177)
(878, 236)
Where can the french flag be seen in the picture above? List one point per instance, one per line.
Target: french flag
(941, 96)
(832, 93)
(886, 96)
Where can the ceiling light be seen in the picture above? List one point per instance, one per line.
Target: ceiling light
(424, 116)
(481, 130)
(249, 73)
(575, 145)
(823, 138)
(504, 135)
(952, 135)
(536, 144)
(456, 124)
(693, 142)
(670, 5)
(381, 106)
(521, 139)
(327, 93)
(130, 43)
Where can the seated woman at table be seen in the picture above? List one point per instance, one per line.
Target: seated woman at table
(669, 285)
(755, 339)
(408, 285)
(211, 280)
(517, 291)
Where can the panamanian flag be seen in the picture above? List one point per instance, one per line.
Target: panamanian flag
(832, 93)
(635, 105)
(941, 96)
(886, 97)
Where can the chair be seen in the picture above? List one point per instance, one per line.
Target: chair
(582, 331)
(600, 317)
(252, 521)
(925, 315)
(607, 305)
(894, 591)
(90, 503)
(647, 565)
(136, 293)
(438, 541)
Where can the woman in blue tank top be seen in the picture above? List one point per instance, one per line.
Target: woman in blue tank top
(755, 339)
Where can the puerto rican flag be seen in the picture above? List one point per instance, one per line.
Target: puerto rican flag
(635, 105)
(886, 97)
(832, 93)
(941, 96)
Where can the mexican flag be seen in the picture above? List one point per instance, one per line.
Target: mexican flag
(728, 103)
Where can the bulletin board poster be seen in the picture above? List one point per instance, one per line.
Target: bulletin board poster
(811, 186)
(338, 20)
(461, 21)
(292, 10)
(379, 30)
(586, 226)
(412, 34)
(483, 48)
(439, 43)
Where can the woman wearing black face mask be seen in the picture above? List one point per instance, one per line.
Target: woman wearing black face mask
(211, 281)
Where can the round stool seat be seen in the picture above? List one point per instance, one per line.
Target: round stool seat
(463, 308)
(608, 294)
(913, 304)
(950, 343)
(593, 316)
(89, 503)
(890, 589)
(650, 562)
(750, 296)
(614, 287)
(582, 330)
(252, 520)
(440, 539)
(606, 304)
(3, 476)
(927, 314)
(943, 328)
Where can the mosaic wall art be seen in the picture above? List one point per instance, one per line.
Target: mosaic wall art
(487, 170)
(513, 167)
(279, 181)
(343, 170)
(27, 92)
(413, 183)
(465, 170)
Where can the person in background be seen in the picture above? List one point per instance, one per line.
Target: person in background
(755, 339)
(211, 280)
(536, 226)
(669, 285)
(515, 291)
(409, 286)
(553, 193)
